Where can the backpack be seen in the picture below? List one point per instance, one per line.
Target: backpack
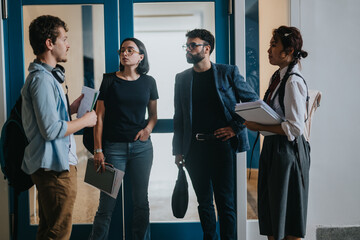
(12, 146)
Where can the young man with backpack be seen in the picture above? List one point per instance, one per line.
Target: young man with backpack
(50, 157)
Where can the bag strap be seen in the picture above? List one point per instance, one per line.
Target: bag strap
(252, 153)
(281, 93)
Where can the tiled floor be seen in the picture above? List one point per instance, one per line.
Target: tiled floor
(252, 212)
(87, 201)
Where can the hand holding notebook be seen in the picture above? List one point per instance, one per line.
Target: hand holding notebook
(108, 181)
(258, 112)
(88, 102)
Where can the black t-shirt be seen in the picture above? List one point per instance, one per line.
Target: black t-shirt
(207, 114)
(125, 105)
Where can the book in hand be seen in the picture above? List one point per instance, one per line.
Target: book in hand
(258, 112)
(88, 102)
(108, 181)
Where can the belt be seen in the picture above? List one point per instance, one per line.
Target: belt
(205, 137)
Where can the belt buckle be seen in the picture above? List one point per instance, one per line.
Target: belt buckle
(198, 135)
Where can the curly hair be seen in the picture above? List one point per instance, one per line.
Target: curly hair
(43, 28)
(204, 35)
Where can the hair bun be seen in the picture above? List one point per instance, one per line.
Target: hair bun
(303, 54)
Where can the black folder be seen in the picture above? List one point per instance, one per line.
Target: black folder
(103, 181)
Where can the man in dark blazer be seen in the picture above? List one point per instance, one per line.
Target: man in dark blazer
(208, 132)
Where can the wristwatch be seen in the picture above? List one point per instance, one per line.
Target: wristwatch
(99, 150)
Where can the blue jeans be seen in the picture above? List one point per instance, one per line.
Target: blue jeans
(135, 158)
(210, 165)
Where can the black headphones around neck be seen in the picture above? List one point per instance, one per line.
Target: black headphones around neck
(59, 73)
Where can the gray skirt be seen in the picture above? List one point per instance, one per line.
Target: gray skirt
(283, 186)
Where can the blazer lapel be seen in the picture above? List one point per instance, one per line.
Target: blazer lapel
(217, 82)
(187, 84)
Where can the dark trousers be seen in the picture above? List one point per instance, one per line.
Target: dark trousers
(135, 158)
(210, 165)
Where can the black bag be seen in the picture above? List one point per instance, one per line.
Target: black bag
(180, 196)
(12, 147)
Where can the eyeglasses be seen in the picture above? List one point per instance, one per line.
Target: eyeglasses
(191, 46)
(129, 51)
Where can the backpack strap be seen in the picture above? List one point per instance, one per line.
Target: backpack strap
(281, 93)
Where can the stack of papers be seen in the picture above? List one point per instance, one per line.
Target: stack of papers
(258, 112)
(108, 182)
(88, 102)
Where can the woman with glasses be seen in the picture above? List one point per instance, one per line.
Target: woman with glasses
(122, 134)
(285, 157)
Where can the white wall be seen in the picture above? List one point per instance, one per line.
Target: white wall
(330, 29)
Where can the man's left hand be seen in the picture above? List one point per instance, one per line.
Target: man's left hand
(224, 133)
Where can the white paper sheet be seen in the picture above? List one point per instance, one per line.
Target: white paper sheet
(258, 112)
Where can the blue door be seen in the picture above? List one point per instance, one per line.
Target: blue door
(111, 21)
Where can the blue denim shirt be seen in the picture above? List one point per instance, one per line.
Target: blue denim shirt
(44, 118)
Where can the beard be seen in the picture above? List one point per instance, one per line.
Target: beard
(61, 59)
(195, 58)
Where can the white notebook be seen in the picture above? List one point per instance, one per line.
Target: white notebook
(258, 112)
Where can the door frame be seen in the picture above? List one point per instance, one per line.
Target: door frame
(190, 230)
(15, 76)
(4, 189)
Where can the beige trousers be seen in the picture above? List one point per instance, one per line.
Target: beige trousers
(56, 198)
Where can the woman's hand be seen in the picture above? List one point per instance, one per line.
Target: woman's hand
(253, 126)
(143, 134)
(99, 162)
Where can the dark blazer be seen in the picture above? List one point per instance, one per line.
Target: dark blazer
(230, 87)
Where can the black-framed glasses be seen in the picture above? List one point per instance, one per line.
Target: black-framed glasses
(129, 51)
(193, 45)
